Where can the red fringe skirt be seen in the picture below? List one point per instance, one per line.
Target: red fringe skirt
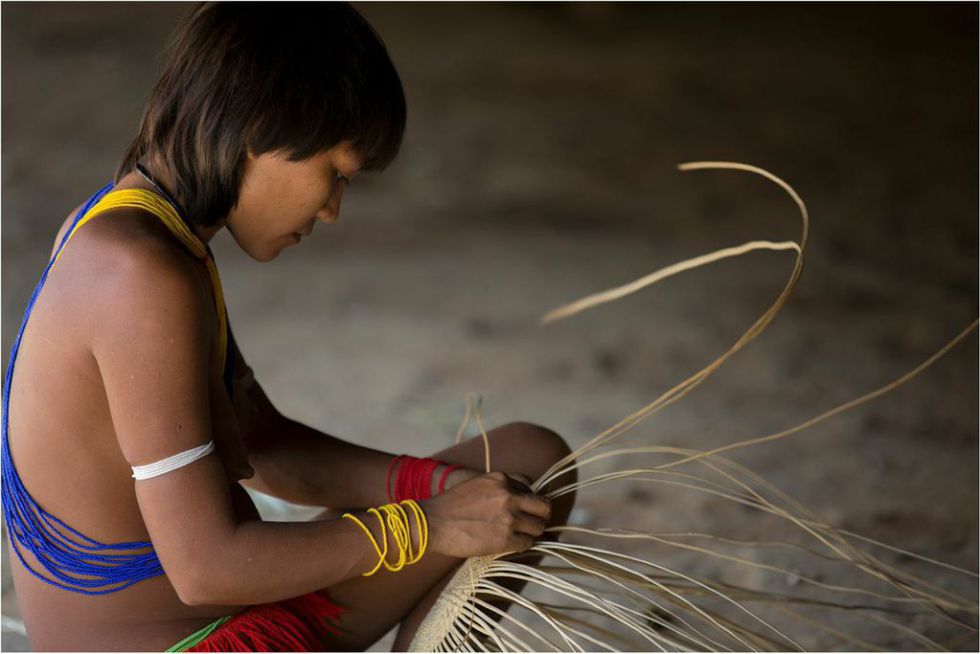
(298, 624)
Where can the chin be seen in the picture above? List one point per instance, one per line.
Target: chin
(272, 249)
(263, 255)
(272, 253)
(258, 250)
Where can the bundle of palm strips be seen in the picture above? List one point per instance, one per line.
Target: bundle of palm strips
(586, 592)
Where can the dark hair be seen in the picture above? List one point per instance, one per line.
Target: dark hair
(262, 77)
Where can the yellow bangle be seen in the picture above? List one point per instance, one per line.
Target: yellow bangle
(422, 529)
(398, 524)
(381, 554)
(396, 518)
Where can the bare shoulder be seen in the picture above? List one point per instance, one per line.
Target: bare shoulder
(125, 241)
(64, 228)
(139, 276)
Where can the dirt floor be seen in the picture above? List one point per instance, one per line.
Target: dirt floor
(539, 166)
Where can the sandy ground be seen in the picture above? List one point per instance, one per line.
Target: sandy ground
(538, 167)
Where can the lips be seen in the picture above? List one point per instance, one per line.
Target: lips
(299, 235)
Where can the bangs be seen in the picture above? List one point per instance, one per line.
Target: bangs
(344, 90)
(307, 119)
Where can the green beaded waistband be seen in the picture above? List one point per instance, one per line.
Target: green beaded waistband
(198, 635)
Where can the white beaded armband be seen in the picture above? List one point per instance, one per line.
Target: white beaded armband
(178, 460)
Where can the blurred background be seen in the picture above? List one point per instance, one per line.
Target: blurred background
(539, 165)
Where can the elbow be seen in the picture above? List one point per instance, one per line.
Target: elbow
(191, 590)
(200, 586)
(202, 570)
(187, 598)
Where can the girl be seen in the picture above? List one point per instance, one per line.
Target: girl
(128, 525)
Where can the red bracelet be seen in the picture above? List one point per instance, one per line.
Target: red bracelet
(388, 478)
(414, 477)
(442, 479)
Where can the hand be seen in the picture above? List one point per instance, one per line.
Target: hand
(459, 475)
(486, 514)
(456, 477)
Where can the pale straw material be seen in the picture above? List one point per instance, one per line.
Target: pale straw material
(612, 601)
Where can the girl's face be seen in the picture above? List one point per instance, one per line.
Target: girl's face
(280, 201)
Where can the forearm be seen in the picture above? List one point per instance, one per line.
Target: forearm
(270, 561)
(303, 465)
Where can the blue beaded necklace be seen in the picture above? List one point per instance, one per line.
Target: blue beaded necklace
(64, 556)
(76, 562)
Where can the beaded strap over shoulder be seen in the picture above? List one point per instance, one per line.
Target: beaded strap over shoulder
(74, 561)
(165, 211)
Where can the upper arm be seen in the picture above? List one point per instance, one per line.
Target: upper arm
(153, 352)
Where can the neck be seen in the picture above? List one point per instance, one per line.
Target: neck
(205, 233)
(162, 176)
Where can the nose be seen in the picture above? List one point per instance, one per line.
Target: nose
(327, 216)
(331, 212)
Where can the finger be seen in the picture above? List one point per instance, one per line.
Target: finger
(517, 482)
(537, 505)
(531, 525)
(519, 542)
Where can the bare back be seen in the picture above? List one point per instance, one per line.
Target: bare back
(65, 450)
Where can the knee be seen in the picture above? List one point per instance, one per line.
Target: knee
(545, 443)
(542, 445)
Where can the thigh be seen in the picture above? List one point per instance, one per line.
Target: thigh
(379, 602)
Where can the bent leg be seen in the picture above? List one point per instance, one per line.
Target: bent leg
(379, 602)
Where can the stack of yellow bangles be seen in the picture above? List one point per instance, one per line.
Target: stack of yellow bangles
(396, 520)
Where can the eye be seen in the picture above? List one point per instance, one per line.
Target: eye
(342, 177)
